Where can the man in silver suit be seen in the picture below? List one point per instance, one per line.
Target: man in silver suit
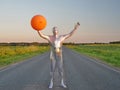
(56, 58)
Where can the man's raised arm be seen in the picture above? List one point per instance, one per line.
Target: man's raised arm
(71, 33)
(43, 36)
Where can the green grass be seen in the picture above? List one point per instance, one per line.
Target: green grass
(109, 53)
(13, 54)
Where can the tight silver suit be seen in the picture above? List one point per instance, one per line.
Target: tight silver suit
(56, 58)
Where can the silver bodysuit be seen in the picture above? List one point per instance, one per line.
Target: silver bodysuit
(56, 57)
(56, 52)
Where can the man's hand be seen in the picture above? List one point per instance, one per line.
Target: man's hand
(77, 25)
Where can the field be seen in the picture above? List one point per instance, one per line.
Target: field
(13, 54)
(109, 53)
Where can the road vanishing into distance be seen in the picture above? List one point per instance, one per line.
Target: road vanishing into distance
(81, 73)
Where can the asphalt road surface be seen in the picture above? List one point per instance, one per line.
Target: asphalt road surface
(81, 73)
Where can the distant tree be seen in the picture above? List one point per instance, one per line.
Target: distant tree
(115, 42)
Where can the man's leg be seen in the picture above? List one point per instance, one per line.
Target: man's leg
(60, 70)
(53, 65)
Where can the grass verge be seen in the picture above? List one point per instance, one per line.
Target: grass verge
(13, 54)
(109, 53)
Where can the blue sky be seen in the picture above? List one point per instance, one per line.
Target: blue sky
(99, 19)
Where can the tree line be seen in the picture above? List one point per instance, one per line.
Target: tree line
(45, 44)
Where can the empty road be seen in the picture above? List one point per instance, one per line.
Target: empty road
(81, 73)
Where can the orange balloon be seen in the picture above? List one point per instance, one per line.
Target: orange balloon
(38, 22)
